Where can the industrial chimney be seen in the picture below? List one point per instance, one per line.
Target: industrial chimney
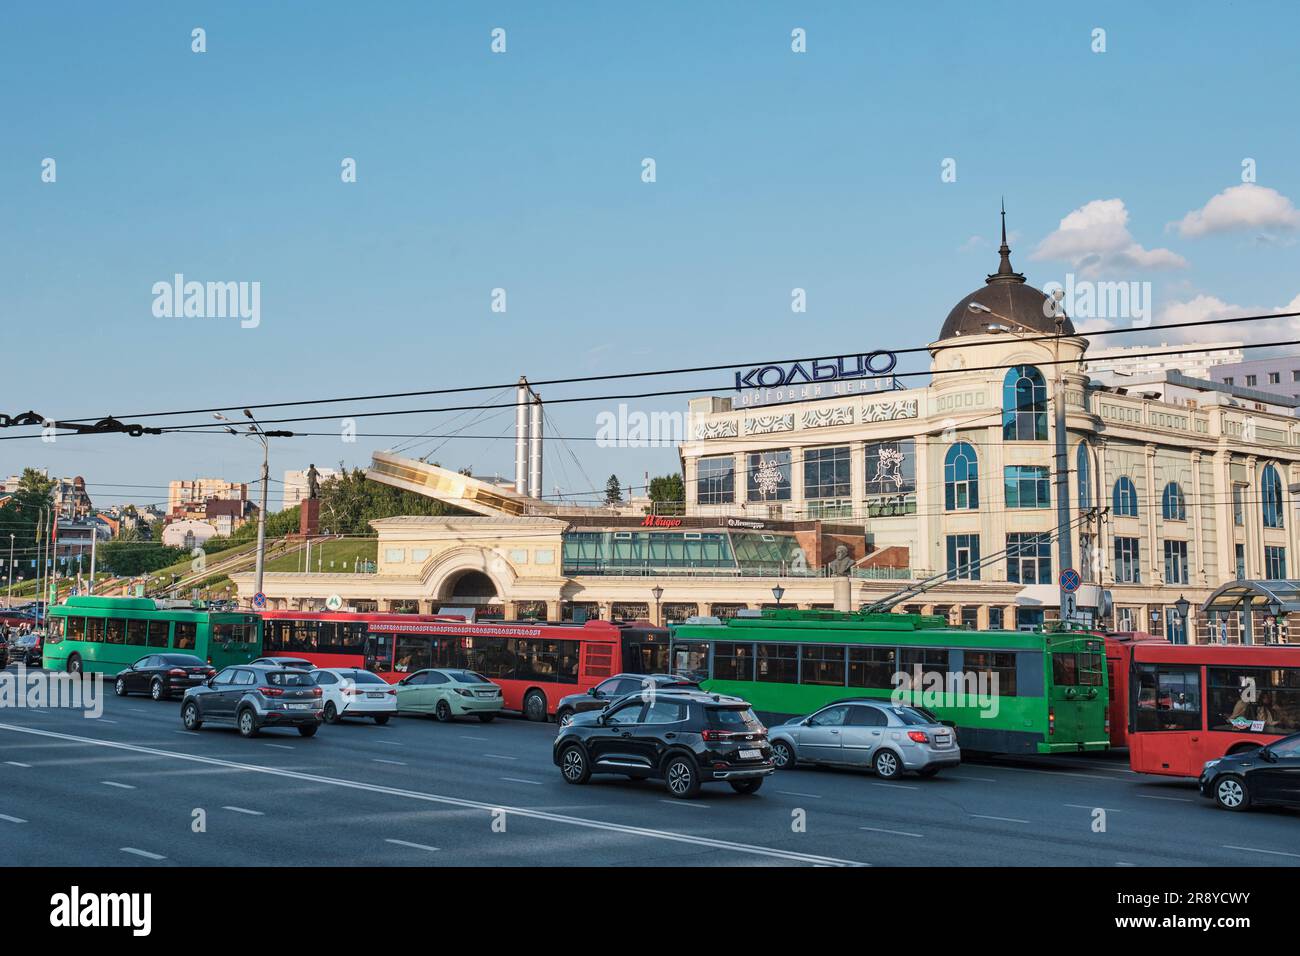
(535, 449)
(522, 395)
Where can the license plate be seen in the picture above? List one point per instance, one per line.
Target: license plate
(942, 739)
(375, 696)
(299, 706)
(486, 693)
(750, 754)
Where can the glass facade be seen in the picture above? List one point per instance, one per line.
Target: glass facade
(961, 488)
(891, 477)
(1270, 494)
(826, 473)
(964, 557)
(767, 475)
(715, 481)
(1024, 405)
(1029, 558)
(1027, 486)
(1125, 498)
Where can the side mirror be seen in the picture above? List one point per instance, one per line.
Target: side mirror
(593, 692)
(1267, 755)
(211, 680)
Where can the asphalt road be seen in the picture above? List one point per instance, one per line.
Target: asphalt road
(131, 787)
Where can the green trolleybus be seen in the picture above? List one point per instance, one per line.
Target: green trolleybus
(1013, 692)
(106, 634)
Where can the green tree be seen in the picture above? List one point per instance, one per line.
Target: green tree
(668, 495)
(129, 558)
(613, 491)
(23, 512)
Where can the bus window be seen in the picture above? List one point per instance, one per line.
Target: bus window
(1257, 700)
(544, 660)
(1168, 698)
(158, 633)
(778, 663)
(135, 632)
(413, 653)
(76, 628)
(94, 630)
(379, 652)
(872, 666)
(931, 660)
(224, 634)
(54, 630)
(114, 630)
(998, 668)
(185, 635)
(823, 665)
(733, 661)
(691, 660)
(1082, 669)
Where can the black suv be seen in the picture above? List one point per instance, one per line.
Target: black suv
(685, 738)
(254, 696)
(612, 688)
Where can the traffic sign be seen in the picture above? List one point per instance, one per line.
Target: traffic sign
(259, 599)
(1070, 580)
(333, 603)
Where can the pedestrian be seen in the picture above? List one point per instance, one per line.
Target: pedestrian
(1223, 630)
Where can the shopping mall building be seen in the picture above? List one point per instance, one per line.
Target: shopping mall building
(807, 474)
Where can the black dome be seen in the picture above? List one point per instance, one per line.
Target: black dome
(1004, 300)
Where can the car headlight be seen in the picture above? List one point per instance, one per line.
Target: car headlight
(1210, 763)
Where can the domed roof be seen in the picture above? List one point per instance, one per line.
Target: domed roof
(1004, 300)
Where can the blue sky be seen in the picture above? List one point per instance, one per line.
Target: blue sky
(775, 170)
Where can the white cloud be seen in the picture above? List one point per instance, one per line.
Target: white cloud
(1243, 207)
(1203, 307)
(1095, 239)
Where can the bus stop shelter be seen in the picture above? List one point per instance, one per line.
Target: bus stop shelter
(1275, 599)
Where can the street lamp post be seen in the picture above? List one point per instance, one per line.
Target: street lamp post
(778, 592)
(658, 593)
(1274, 609)
(255, 430)
(1182, 607)
(9, 600)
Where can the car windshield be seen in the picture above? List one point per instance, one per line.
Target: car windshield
(362, 677)
(288, 679)
(732, 718)
(183, 660)
(467, 677)
(912, 717)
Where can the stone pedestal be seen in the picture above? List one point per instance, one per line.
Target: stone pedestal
(309, 516)
(842, 590)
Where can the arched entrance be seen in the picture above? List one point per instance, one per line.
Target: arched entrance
(472, 587)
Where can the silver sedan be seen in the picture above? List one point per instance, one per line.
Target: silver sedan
(865, 733)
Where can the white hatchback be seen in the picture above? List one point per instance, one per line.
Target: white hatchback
(349, 692)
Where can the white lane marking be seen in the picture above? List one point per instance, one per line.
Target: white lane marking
(894, 786)
(15, 763)
(105, 720)
(796, 793)
(684, 803)
(397, 763)
(532, 814)
(1084, 806)
(985, 816)
(281, 746)
(468, 737)
(5, 816)
(894, 832)
(1152, 796)
(954, 776)
(1122, 863)
(144, 853)
(1255, 849)
(413, 846)
(251, 813)
(190, 733)
(501, 756)
(114, 783)
(391, 743)
(535, 783)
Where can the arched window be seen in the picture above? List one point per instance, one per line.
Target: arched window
(1125, 504)
(1024, 405)
(1270, 494)
(1083, 467)
(1173, 503)
(961, 487)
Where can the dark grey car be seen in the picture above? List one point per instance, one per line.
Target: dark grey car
(253, 697)
(614, 688)
(871, 734)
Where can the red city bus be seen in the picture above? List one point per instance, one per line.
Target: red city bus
(1119, 659)
(535, 662)
(1189, 703)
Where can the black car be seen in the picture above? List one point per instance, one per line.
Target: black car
(25, 649)
(685, 738)
(611, 689)
(162, 675)
(253, 697)
(1266, 775)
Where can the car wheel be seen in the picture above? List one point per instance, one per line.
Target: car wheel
(535, 706)
(887, 765)
(308, 730)
(119, 687)
(928, 772)
(573, 765)
(156, 689)
(381, 719)
(564, 717)
(443, 712)
(1231, 794)
(331, 713)
(487, 718)
(682, 778)
(783, 755)
(190, 716)
(74, 664)
(747, 786)
(247, 723)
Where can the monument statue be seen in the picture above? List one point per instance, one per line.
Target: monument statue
(313, 482)
(842, 564)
